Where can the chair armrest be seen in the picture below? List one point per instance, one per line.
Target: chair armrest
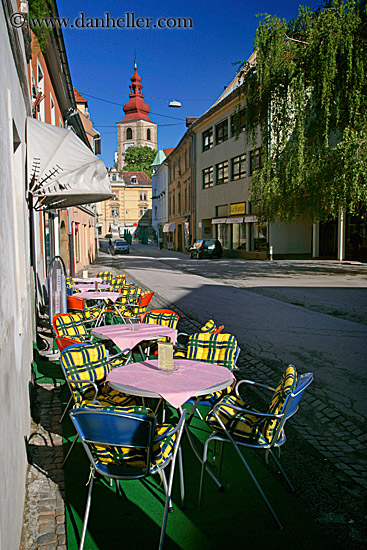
(127, 353)
(248, 411)
(251, 383)
(174, 428)
(87, 383)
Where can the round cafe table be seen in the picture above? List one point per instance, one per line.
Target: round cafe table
(191, 378)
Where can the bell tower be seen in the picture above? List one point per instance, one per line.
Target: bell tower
(136, 128)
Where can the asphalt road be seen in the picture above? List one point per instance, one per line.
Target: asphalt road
(312, 314)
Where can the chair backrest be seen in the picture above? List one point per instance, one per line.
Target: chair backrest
(283, 391)
(75, 303)
(107, 276)
(164, 317)
(69, 324)
(118, 438)
(82, 364)
(221, 349)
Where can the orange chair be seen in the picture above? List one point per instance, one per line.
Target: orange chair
(79, 305)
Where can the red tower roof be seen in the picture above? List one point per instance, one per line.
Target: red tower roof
(136, 108)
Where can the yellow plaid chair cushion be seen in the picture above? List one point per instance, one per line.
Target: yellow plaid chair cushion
(108, 399)
(163, 319)
(286, 385)
(242, 426)
(107, 276)
(71, 324)
(209, 326)
(250, 427)
(119, 280)
(213, 348)
(83, 364)
(69, 282)
(90, 314)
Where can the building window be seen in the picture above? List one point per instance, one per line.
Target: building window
(255, 160)
(238, 167)
(52, 109)
(149, 135)
(237, 122)
(113, 177)
(221, 172)
(208, 139)
(143, 196)
(208, 177)
(221, 132)
(129, 133)
(142, 211)
(114, 212)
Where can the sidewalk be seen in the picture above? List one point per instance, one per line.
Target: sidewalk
(328, 460)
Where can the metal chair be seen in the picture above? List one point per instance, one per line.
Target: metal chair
(183, 337)
(85, 367)
(125, 446)
(80, 305)
(106, 277)
(217, 348)
(135, 307)
(235, 422)
(69, 328)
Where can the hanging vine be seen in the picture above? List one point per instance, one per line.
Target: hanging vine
(308, 96)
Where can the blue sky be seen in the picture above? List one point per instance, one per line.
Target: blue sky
(188, 65)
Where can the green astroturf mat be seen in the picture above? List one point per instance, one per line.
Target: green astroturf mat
(234, 518)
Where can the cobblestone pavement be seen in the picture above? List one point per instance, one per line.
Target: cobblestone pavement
(329, 453)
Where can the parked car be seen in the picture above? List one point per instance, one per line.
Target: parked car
(121, 247)
(206, 248)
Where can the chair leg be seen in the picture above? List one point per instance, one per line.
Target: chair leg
(258, 486)
(182, 480)
(69, 451)
(282, 471)
(66, 408)
(87, 510)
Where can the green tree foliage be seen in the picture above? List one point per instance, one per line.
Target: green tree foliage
(40, 9)
(308, 96)
(139, 159)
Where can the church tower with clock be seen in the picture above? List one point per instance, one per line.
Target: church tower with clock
(136, 128)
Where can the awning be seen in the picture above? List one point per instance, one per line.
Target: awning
(235, 219)
(219, 220)
(169, 227)
(62, 170)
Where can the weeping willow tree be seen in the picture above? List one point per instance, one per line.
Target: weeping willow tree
(307, 95)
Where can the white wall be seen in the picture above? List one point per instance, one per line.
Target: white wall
(291, 238)
(16, 298)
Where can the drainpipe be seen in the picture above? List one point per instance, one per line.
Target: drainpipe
(71, 245)
(341, 234)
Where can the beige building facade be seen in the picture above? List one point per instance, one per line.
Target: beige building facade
(130, 209)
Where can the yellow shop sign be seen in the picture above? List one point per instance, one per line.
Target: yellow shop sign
(238, 208)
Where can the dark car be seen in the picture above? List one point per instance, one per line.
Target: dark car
(206, 248)
(121, 247)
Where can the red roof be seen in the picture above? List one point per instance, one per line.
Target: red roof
(136, 108)
(141, 177)
(78, 97)
(168, 151)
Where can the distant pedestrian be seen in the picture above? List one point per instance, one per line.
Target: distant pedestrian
(110, 246)
(160, 243)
